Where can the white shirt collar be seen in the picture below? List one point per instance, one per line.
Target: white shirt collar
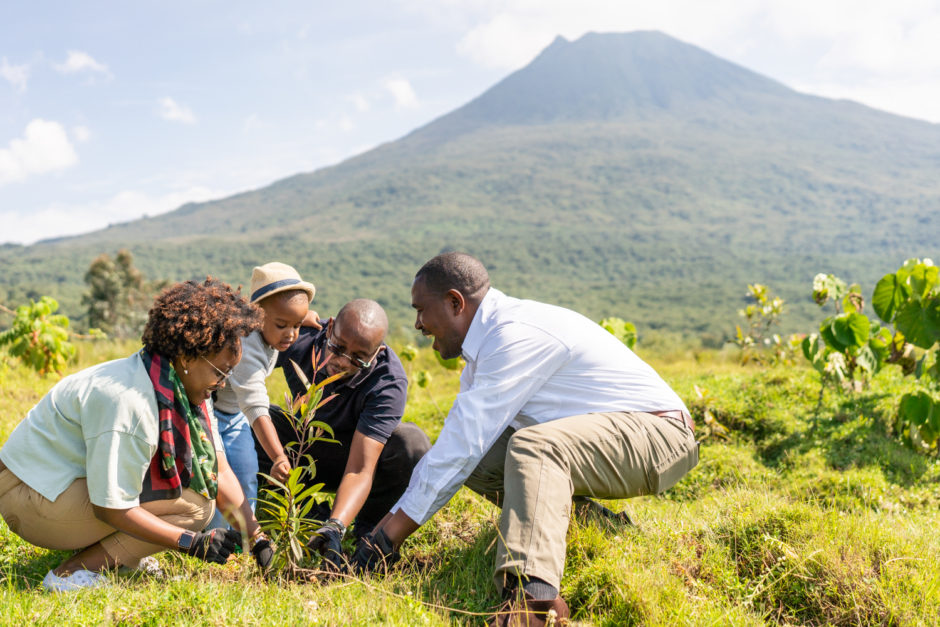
(474, 338)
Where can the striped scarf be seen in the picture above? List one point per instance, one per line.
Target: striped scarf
(185, 436)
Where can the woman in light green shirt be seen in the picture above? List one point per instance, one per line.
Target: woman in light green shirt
(122, 460)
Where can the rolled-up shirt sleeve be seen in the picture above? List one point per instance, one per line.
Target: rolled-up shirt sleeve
(515, 362)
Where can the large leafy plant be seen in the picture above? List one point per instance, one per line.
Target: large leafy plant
(287, 505)
(851, 347)
(910, 300)
(39, 337)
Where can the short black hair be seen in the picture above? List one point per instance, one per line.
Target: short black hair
(454, 271)
(193, 319)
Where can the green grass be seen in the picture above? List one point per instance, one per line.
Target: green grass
(809, 513)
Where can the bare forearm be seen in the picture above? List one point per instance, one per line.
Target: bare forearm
(232, 503)
(351, 496)
(141, 524)
(398, 527)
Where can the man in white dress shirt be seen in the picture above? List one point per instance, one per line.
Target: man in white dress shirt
(551, 406)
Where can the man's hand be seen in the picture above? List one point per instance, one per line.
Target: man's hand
(312, 319)
(374, 554)
(280, 468)
(214, 545)
(327, 541)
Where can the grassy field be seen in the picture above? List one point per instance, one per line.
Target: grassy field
(809, 513)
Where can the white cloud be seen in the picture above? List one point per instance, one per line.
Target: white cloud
(170, 110)
(44, 147)
(505, 42)
(254, 122)
(61, 219)
(81, 133)
(78, 61)
(360, 102)
(401, 91)
(17, 75)
(911, 98)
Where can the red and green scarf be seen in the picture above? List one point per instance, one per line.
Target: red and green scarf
(185, 456)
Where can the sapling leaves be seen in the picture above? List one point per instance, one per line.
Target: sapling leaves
(890, 293)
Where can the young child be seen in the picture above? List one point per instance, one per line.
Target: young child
(242, 405)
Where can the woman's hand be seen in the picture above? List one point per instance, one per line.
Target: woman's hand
(214, 545)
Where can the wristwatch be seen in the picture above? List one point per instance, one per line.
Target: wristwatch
(185, 541)
(337, 524)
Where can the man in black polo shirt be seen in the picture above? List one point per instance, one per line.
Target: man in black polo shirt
(370, 468)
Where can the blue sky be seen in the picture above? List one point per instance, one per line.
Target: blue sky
(112, 110)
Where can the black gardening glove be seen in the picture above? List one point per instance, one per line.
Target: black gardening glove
(215, 545)
(263, 551)
(375, 553)
(327, 541)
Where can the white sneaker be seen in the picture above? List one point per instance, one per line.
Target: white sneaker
(78, 579)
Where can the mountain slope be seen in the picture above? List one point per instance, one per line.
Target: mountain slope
(626, 174)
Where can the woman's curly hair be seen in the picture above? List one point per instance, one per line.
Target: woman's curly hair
(193, 319)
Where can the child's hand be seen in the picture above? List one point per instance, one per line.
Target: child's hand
(312, 319)
(281, 468)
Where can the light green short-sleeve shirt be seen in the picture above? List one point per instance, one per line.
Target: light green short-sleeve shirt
(100, 423)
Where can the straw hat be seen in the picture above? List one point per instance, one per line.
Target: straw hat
(275, 277)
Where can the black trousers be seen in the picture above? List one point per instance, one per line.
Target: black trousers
(407, 444)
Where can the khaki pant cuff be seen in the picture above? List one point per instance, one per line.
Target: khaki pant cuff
(514, 569)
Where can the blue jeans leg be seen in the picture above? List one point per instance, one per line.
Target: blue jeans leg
(239, 445)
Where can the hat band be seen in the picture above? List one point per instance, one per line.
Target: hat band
(270, 287)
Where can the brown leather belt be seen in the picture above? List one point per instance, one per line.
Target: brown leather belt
(676, 414)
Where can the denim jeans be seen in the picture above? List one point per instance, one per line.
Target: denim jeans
(239, 445)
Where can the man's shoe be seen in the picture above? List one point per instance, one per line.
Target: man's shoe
(78, 579)
(524, 611)
(587, 508)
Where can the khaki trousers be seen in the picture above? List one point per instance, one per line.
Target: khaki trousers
(533, 473)
(69, 522)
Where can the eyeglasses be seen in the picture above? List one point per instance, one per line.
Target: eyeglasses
(338, 351)
(222, 375)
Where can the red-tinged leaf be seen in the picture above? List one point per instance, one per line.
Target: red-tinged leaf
(329, 380)
(298, 402)
(326, 400)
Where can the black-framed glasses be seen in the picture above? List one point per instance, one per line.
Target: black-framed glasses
(338, 351)
(222, 375)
